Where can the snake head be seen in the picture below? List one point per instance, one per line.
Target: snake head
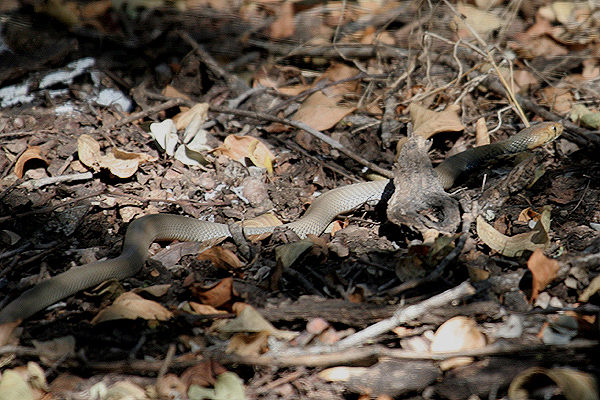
(541, 134)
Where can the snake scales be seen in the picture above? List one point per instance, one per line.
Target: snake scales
(145, 230)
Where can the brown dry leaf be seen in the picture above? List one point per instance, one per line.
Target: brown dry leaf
(64, 11)
(32, 153)
(241, 147)
(560, 100)
(514, 246)
(222, 258)
(124, 164)
(64, 385)
(458, 333)
(427, 123)
(481, 21)
(169, 386)
(322, 110)
(261, 221)
(132, 306)
(170, 91)
(55, 349)
(204, 309)
(535, 41)
(482, 135)
(528, 214)
(248, 344)
(249, 320)
(589, 291)
(183, 119)
(284, 25)
(573, 384)
(120, 163)
(154, 290)
(544, 271)
(9, 333)
(202, 374)
(95, 10)
(215, 295)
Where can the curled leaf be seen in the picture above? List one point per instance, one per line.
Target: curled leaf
(32, 153)
(514, 246)
(543, 269)
(241, 147)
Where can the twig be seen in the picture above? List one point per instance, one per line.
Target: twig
(168, 361)
(300, 125)
(511, 94)
(371, 354)
(402, 315)
(38, 183)
(145, 113)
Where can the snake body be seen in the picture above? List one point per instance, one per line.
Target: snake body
(142, 232)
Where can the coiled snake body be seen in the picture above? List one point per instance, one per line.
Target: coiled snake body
(145, 230)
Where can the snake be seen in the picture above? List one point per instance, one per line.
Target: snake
(142, 232)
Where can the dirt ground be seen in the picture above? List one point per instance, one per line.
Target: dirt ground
(275, 103)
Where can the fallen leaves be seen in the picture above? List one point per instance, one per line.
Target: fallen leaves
(120, 163)
(131, 306)
(543, 269)
(32, 153)
(572, 384)
(514, 246)
(322, 110)
(240, 148)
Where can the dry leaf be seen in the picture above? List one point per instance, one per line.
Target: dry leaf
(124, 164)
(9, 333)
(202, 374)
(458, 333)
(248, 344)
(543, 269)
(55, 349)
(221, 257)
(132, 306)
(322, 110)
(592, 289)
(481, 21)
(120, 163)
(427, 123)
(32, 153)
(560, 100)
(515, 246)
(287, 254)
(13, 385)
(249, 320)
(204, 309)
(241, 147)
(170, 91)
(215, 295)
(183, 119)
(169, 386)
(165, 135)
(574, 385)
(284, 24)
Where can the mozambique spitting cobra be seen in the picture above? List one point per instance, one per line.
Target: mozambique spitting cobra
(147, 229)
